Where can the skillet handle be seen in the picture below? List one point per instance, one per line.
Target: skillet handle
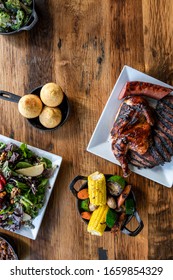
(137, 230)
(73, 182)
(8, 96)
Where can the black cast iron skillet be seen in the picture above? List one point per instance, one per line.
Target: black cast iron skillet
(64, 107)
(124, 229)
(28, 26)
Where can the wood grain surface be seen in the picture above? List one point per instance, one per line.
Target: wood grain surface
(83, 46)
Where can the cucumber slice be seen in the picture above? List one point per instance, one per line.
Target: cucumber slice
(111, 218)
(115, 185)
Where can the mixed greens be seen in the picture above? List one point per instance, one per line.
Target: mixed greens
(21, 196)
(14, 14)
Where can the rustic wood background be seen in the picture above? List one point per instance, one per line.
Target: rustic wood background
(83, 46)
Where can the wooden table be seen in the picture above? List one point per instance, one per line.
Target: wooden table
(83, 46)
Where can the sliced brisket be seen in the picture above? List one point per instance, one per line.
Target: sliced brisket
(136, 163)
(142, 160)
(162, 149)
(163, 106)
(158, 158)
(164, 126)
(168, 100)
(165, 115)
(165, 140)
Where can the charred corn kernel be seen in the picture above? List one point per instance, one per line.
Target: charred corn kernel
(97, 223)
(97, 188)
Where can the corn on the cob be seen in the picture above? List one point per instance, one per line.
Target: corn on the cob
(97, 223)
(97, 188)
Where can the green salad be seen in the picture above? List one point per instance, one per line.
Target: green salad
(24, 178)
(14, 14)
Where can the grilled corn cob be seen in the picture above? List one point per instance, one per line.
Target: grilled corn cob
(97, 188)
(97, 223)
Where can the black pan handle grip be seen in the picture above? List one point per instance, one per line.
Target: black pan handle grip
(8, 96)
(137, 230)
(74, 181)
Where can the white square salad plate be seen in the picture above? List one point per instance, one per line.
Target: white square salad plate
(56, 161)
(100, 142)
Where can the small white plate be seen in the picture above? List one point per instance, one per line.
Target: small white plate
(100, 143)
(56, 161)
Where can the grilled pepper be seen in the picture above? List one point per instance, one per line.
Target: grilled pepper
(111, 217)
(84, 204)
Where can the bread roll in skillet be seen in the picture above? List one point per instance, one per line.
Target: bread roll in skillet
(51, 94)
(50, 117)
(30, 106)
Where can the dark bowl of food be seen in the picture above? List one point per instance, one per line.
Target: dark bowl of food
(106, 203)
(45, 108)
(51, 118)
(7, 248)
(17, 16)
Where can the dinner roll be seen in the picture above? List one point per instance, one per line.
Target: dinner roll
(30, 106)
(50, 117)
(51, 94)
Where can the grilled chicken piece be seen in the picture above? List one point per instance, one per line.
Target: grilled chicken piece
(132, 130)
(129, 113)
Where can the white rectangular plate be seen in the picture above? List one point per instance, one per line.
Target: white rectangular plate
(56, 161)
(100, 143)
